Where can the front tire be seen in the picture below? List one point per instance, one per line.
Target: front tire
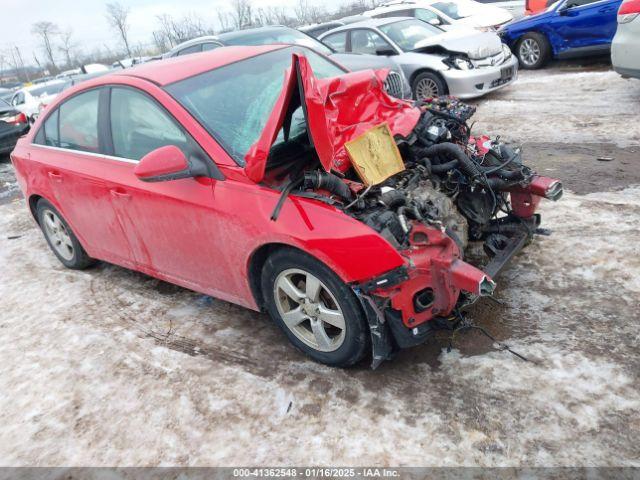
(320, 315)
(533, 51)
(60, 237)
(427, 85)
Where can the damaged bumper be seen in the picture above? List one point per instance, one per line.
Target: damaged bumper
(467, 84)
(406, 306)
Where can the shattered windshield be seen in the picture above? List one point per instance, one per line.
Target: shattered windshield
(408, 34)
(234, 102)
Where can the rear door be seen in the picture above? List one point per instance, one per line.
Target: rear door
(587, 25)
(69, 154)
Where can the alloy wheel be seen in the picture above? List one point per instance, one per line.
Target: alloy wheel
(309, 310)
(529, 52)
(426, 88)
(58, 235)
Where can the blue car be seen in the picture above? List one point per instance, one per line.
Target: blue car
(568, 28)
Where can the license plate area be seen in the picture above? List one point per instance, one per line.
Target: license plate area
(506, 73)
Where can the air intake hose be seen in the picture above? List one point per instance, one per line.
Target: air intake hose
(317, 180)
(454, 153)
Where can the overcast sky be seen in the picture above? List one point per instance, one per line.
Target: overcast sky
(90, 28)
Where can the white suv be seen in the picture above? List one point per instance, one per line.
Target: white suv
(447, 14)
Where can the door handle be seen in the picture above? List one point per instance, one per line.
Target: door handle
(120, 193)
(55, 176)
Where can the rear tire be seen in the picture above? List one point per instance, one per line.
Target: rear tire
(533, 51)
(60, 237)
(427, 85)
(302, 296)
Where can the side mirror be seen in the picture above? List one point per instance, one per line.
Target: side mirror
(162, 164)
(385, 52)
(435, 22)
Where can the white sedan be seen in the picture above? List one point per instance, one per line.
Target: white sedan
(31, 100)
(447, 14)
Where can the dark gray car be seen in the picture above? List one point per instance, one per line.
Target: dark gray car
(13, 124)
(396, 83)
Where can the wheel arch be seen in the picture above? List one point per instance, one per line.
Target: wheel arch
(260, 255)
(428, 70)
(518, 39)
(33, 205)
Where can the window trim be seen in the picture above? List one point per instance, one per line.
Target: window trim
(380, 34)
(104, 128)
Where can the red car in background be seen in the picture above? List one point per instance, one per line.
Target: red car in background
(536, 6)
(227, 172)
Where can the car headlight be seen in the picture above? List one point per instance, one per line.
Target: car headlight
(506, 51)
(462, 63)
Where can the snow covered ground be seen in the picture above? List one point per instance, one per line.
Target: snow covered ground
(110, 367)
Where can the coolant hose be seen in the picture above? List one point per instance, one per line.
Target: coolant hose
(329, 182)
(453, 151)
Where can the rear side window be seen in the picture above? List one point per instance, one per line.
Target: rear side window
(209, 46)
(51, 132)
(189, 50)
(139, 125)
(337, 41)
(74, 125)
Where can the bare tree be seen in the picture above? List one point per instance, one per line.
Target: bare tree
(241, 14)
(67, 46)
(45, 31)
(174, 31)
(301, 10)
(118, 16)
(223, 20)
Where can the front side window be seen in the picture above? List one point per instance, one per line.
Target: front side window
(337, 41)
(234, 102)
(409, 34)
(139, 125)
(427, 16)
(450, 9)
(368, 41)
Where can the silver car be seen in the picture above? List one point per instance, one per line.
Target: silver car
(463, 63)
(396, 83)
(625, 49)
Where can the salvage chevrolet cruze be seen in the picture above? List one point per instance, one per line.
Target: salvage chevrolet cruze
(269, 177)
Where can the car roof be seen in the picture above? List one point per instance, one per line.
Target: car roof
(40, 85)
(308, 28)
(170, 70)
(371, 23)
(241, 33)
(193, 41)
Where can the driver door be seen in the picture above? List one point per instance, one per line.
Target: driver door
(587, 24)
(171, 226)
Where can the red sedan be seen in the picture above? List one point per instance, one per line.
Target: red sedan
(227, 172)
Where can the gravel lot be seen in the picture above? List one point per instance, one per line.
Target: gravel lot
(110, 367)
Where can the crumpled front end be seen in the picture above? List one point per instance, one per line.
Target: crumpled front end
(456, 206)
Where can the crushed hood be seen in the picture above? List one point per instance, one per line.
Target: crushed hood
(475, 45)
(337, 110)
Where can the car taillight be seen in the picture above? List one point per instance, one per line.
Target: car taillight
(628, 11)
(16, 119)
